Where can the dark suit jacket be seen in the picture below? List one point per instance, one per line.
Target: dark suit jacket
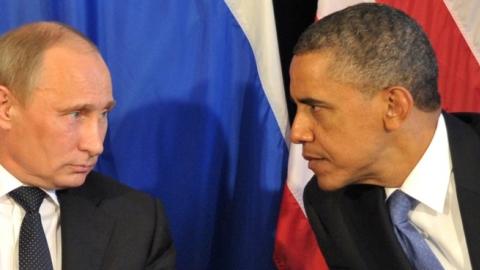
(106, 225)
(353, 227)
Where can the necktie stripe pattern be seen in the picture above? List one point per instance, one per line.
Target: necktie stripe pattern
(413, 244)
(33, 248)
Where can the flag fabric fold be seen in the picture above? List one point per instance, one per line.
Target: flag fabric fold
(200, 120)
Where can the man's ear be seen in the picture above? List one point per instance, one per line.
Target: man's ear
(400, 104)
(6, 102)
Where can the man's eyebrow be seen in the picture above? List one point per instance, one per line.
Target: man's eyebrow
(316, 102)
(79, 107)
(88, 107)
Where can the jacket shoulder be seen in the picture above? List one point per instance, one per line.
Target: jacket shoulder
(140, 221)
(469, 118)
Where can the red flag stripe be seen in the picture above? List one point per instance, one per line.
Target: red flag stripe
(298, 249)
(459, 71)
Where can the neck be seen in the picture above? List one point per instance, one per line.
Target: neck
(411, 142)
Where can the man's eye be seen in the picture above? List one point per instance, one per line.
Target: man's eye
(314, 108)
(75, 114)
(105, 114)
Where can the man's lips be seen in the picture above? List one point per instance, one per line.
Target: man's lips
(315, 162)
(310, 157)
(82, 168)
(319, 165)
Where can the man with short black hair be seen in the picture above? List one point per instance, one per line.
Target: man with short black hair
(396, 180)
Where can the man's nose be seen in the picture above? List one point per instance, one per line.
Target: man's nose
(93, 136)
(301, 131)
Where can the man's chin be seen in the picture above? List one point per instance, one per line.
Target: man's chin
(326, 183)
(71, 181)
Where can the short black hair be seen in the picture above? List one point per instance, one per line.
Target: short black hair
(375, 46)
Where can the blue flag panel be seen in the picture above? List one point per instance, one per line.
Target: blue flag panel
(192, 124)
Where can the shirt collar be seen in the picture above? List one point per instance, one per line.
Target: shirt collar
(429, 179)
(8, 182)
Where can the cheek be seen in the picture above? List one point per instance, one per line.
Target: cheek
(63, 136)
(335, 145)
(364, 150)
(45, 133)
(364, 126)
(347, 145)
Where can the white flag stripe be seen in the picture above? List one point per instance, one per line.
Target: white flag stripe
(298, 173)
(465, 14)
(327, 7)
(258, 23)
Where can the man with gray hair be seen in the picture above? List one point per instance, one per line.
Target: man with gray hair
(55, 212)
(396, 181)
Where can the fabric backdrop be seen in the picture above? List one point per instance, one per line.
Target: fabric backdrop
(200, 120)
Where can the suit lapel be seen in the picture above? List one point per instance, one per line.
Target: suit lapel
(326, 218)
(86, 230)
(465, 151)
(353, 228)
(371, 229)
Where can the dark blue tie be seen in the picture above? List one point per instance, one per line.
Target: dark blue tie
(33, 253)
(413, 244)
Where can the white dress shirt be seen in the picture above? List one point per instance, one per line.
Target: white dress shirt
(11, 216)
(437, 216)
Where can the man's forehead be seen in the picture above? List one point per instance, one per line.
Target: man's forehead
(309, 66)
(64, 69)
(324, 55)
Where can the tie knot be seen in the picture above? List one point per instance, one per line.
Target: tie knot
(30, 198)
(400, 205)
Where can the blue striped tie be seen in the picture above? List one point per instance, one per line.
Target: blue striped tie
(413, 244)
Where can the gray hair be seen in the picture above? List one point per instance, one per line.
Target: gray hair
(375, 46)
